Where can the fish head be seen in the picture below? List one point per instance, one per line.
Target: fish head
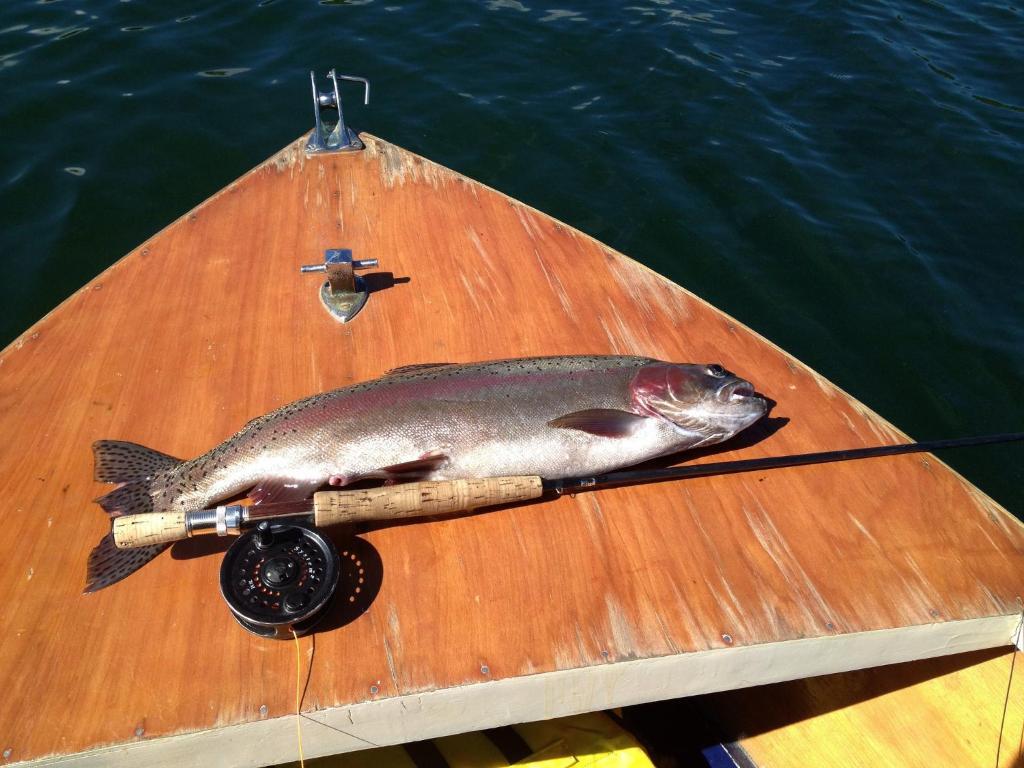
(705, 400)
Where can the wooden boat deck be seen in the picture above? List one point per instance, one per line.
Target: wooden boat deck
(605, 599)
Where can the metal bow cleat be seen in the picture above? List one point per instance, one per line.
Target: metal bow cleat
(344, 293)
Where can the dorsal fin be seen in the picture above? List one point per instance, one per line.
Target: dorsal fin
(415, 368)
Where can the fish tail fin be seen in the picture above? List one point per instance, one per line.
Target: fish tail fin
(121, 462)
(136, 467)
(108, 564)
(129, 499)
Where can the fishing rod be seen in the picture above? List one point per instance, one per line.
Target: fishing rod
(441, 497)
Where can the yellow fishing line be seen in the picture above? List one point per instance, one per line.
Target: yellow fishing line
(1017, 634)
(298, 698)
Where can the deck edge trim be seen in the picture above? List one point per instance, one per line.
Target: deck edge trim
(413, 717)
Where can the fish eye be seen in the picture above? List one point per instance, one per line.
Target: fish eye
(715, 370)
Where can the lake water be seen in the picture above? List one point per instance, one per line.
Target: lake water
(846, 178)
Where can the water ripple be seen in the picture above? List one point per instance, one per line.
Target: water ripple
(845, 178)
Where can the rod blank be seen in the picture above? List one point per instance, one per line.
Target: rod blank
(441, 497)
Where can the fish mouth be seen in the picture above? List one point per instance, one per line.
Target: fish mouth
(736, 391)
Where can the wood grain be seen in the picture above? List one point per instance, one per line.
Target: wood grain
(628, 573)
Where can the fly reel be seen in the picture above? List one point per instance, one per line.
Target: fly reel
(279, 579)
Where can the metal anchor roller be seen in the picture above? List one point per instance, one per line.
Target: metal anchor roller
(341, 138)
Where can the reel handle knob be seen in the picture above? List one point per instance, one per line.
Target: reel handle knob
(264, 538)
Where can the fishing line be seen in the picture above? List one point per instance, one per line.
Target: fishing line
(300, 695)
(1009, 685)
(298, 698)
(1019, 646)
(1006, 704)
(1020, 741)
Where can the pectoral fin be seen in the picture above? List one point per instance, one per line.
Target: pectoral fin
(605, 422)
(409, 471)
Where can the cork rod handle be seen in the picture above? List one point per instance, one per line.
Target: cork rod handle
(144, 530)
(393, 502)
(438, 497)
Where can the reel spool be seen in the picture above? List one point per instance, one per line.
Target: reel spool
(279, 578)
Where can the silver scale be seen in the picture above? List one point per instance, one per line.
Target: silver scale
(344, 293)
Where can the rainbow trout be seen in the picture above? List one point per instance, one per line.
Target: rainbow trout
(548, 416)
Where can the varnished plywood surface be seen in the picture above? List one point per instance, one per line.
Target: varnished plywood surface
(209, 324)
(963, 711)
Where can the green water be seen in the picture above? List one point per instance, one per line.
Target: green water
(846, 178)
